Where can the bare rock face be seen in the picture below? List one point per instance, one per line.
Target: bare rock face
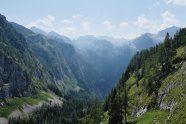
(3, 120)
(168, 106)
(162, 94)
(140, 111)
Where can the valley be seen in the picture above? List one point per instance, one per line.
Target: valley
(49, 78)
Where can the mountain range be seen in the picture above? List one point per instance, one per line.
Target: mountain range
(152, 89)
(34, 63)
(101, 53)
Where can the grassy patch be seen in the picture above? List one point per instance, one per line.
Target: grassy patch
(178, 90)
(18, 102)
(152, 117)
(137, 94)
(105, 118)
(180, 52)
(5, 111)
(178, 115)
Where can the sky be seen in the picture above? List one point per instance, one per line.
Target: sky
(113, 18)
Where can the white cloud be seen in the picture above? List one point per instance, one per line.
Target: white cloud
(45, 23)
(66, 21)
(144, 23)
(167, 19)
(77, 17)
(176, 2)
(85, 25)
(108, 24)
(31, 24)
(79, 25)
(123, 24)
(70, 28)
(67, 30)
(49, 23)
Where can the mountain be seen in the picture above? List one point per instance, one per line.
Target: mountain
(38, 72)
(144, 41)
(115, 41)
(56, 35)
(58, 57)
(148, 40)
(21, 73)
(51, 34)
(171, 30)
(92, 58)
(24, 31)
(99, 54)
(105, 62)
(38, 31)
(153, 87)
(46, 77)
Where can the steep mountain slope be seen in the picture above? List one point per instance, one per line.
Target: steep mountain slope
(36, 72)
(58, 57)
(148, 40)
(101, 55)
(20, 71)
(145, 41)
(105, 62)
(90, 64)
(152, 89)
(56, 35)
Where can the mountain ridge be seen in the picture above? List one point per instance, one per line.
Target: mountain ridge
(92, 51)
(149, 89)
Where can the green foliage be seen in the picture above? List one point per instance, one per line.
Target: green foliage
(145, 76)
(152, 117)
(105, 118)
(178, 115)
(33, 63)
(17, 103)
(94, 113)
(69, 113)
(21, 67)
(5, 111)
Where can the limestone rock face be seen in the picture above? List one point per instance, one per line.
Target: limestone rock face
(140, 111)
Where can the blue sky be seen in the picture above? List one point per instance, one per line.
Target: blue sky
(116, 18)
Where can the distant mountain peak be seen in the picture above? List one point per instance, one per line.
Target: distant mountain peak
(57, 35)
(53, 33)
(171, 30)
(37, 30)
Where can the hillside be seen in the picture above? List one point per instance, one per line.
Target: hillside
(21, 73)
(105, 61)
(91, 58)
(107, 58)
(24, 81)
(153, 88)
(58, 57)
(36, 71)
